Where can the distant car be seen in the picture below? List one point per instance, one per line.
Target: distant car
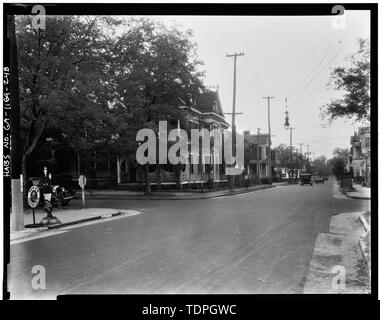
(326, 177)
(305, 179)
(319, 179)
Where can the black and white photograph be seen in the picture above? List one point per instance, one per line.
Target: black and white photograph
(188, 149)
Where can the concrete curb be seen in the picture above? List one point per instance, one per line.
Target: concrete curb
(36, 231)
(366, 257)
(360, 198)
(367, 227)
(353, 197)
(199, 196)
(362, 250)
(105, 216)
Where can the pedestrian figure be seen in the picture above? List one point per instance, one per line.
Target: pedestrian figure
(48, 205)
(47, 192)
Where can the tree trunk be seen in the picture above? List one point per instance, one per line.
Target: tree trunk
(147, 181)
(158, 177)
(25, 176)
(178, 176)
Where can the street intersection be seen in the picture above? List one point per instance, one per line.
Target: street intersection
(257, 242)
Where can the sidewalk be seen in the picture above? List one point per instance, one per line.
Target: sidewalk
(360, 192)
(67, 217)
(170, 195)
(341, 253)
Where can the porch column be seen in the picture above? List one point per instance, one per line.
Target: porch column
(78, 164)
(213, 167)
(118, 170)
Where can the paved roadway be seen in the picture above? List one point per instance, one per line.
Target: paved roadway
(258, 242)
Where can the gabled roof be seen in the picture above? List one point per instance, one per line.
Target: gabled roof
(209, 101)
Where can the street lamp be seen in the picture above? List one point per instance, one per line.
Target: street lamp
(288, 127)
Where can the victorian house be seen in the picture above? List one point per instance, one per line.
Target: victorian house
(256, 151)
(203, 111)
(359, 163)
(106, 170)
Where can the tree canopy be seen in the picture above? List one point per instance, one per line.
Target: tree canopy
(92, 82)
(343, 153)
(354, 80)
(322, 166)
(285, 156)
(338, 161)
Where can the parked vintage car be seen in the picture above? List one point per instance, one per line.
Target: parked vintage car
(60, 195)
(319, 179)
(305, 178)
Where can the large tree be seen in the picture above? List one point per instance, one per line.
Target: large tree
(321, 166)
(354, 80)
(339, 161)
(343, 153)
(59, 74)
(338, 166)
(154, 71)
(88, 86)
(285, 157)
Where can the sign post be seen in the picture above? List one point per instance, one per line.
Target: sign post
(82, 183)
(33, 200)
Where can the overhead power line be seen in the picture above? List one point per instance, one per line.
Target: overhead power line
(307, 94)
(314, 70)
(329, 139)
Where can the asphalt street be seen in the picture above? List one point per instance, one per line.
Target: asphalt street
(259, 242)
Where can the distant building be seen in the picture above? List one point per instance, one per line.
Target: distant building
(256, 151)
(360, 158)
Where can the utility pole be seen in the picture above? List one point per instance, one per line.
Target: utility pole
(235, 55)
(258, 153)
(17, 216)
(291, 151)
(308, 153)
(269, 141)
(301, 163)
(200, 151)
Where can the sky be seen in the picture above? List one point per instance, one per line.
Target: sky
(283, 57)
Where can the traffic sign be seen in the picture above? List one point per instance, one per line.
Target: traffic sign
(33, 196)
(82, 181)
